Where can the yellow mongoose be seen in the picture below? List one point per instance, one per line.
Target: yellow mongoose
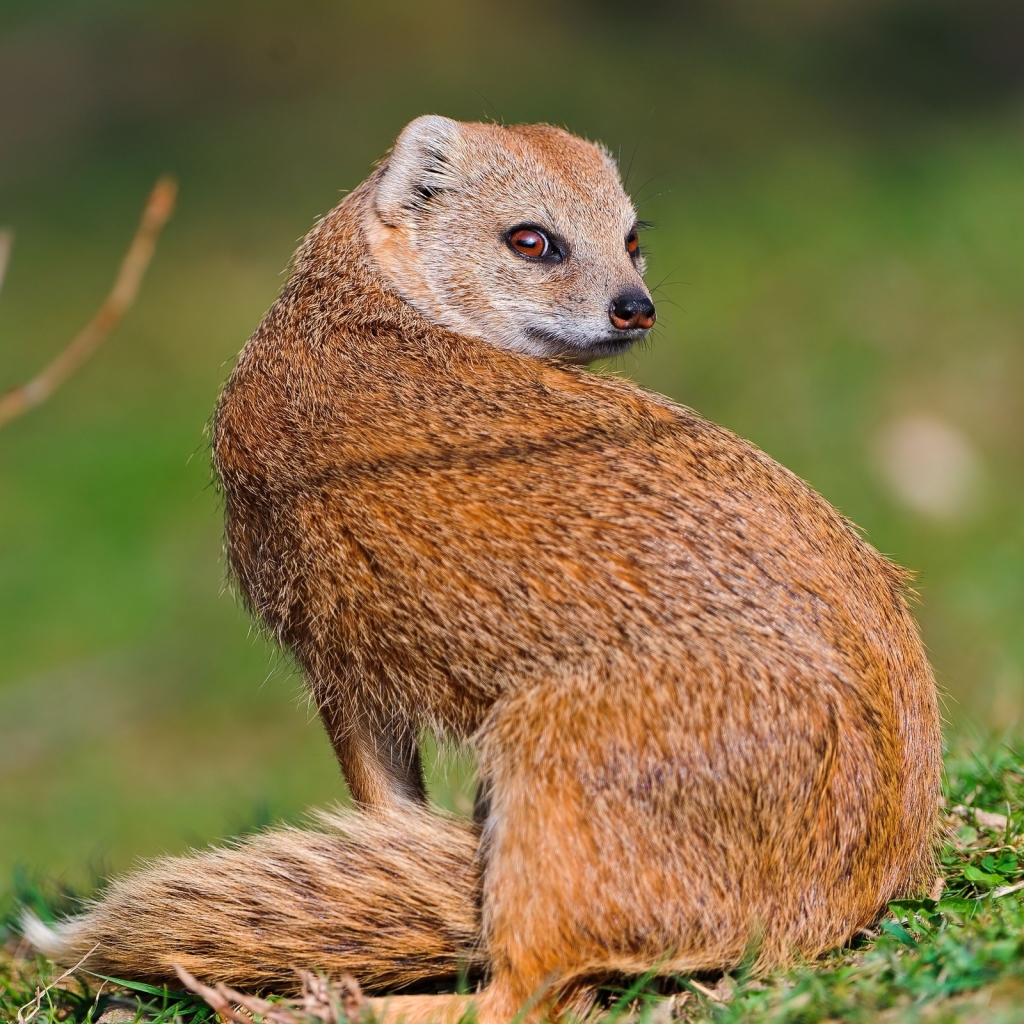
(704, 720)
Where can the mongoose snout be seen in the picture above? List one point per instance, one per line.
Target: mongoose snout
(632, 311)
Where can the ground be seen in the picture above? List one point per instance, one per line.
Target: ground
(955, 958)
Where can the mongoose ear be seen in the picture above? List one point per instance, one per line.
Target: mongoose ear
(420, 166)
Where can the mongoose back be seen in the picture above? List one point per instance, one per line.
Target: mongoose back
(705, 725)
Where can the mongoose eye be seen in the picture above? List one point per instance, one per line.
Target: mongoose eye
(632, 242)
(531, 243)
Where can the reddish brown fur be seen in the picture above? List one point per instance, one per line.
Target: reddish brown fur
(702, 712)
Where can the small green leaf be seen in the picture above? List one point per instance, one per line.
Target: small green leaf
(983, 878)
(897, 931)
(957, 905)
(899, 907)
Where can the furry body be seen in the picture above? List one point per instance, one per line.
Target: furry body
(703, 716)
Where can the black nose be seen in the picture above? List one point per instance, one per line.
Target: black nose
(632, 311)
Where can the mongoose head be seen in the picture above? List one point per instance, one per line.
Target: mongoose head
(522, 236)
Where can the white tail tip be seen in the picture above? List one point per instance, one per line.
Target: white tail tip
(53, 941)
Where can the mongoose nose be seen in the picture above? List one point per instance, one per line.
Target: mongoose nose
(632, 311)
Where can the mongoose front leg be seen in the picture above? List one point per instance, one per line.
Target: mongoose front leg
(421, 1009)
(496, 1004)
(382, 765)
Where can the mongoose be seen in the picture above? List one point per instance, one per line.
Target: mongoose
(705, 725)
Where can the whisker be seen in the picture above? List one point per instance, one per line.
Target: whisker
(636, 147)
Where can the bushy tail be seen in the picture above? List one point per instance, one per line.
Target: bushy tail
(390, 898)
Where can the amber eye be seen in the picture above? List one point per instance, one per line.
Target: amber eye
(632, 243)
(530, 242)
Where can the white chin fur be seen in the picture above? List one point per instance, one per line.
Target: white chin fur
(574, 345)
(575, 348)
(53, 941)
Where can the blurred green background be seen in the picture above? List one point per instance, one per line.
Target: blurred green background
(838, 257)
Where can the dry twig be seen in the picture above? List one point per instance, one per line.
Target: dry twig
(320, 1002)
(6, 243)
(158, 210)
(31, 1009)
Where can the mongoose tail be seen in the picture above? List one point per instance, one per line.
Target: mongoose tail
(392, 898)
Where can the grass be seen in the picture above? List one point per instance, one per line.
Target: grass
(956, 958)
